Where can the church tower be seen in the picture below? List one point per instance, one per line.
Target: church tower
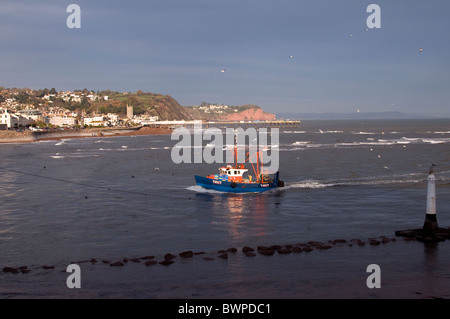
(129, 111)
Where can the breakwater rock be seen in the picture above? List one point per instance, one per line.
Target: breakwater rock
(425, 236)
(224, 254)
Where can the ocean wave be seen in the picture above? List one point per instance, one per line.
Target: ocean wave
(436, 141)
(301, 145)
(57, 156)
(364, 133)
(298, 143)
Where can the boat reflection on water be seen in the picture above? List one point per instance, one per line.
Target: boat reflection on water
(246, 218)
(246, 213)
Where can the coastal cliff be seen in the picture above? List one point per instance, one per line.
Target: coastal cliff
(90, 103)
(246, 112)
(169, 109)
(251, 114)
(166, 108)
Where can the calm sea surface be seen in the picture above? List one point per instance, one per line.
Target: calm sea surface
(111, 198)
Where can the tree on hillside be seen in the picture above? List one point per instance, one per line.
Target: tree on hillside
(42, 93)
(85, 103)
(22, 97)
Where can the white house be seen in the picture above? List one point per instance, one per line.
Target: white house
(94, 121)
(12, 120)
(62, 121)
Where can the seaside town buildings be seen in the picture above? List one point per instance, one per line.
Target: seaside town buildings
(17, 115)
(10, 120)
(41, 109)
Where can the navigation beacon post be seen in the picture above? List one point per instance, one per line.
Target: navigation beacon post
(430, 232)
(431, 224)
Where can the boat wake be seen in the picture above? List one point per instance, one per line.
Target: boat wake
(410, 179)
(406, 179)
(199, 189)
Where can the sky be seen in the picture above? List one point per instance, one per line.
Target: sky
(306, 56)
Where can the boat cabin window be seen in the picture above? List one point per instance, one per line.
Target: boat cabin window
(234, 172)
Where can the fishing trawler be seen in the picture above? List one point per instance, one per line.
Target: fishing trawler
(236, 179)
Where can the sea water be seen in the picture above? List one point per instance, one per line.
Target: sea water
(118, 198)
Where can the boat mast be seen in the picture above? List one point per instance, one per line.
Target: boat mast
(257, 167)
(261, 162)
(235, 151)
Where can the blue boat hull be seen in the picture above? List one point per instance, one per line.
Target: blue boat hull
(231, 187)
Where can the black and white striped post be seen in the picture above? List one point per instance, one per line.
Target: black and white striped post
(430, 232)
(431, 224)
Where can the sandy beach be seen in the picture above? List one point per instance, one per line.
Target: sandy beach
(30, 136)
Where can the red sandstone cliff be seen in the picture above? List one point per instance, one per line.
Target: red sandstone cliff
(254, 114)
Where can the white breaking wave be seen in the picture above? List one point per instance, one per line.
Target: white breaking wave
(300, 143)
(364, 133)
(295, 132)
(57, 156)
(436, 141)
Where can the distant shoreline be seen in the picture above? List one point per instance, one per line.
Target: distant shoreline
(14, 137)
